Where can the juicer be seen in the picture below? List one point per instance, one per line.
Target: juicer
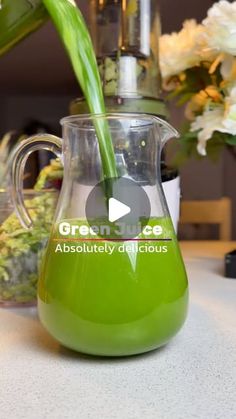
(125, 35)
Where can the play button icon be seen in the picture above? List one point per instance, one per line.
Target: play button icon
(117, 210)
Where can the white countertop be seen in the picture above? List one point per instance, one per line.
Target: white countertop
(192, 377)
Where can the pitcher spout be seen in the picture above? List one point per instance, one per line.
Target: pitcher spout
(166, 131)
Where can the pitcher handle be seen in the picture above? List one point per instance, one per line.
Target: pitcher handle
(17, 166)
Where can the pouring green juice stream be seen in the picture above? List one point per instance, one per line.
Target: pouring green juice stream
(73, 31)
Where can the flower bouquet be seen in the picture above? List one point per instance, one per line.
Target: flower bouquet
(198, 66)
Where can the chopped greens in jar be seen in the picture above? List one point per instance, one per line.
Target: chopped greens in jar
(20, 249)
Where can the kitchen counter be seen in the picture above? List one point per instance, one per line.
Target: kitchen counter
(194, 376)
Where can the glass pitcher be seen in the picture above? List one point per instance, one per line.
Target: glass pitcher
(111, 295)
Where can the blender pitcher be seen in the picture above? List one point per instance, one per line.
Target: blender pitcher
(112, 279)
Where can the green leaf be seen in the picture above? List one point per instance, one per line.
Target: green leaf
(214, 147)
(231, 140)
(189, 136)
(185, 98)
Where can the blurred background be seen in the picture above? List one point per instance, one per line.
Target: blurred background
(37, 86)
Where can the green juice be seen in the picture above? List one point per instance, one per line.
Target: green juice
(124, 303)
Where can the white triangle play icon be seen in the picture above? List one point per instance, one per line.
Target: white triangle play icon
(117, 210)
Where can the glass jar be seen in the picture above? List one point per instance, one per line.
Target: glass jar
(20, 249)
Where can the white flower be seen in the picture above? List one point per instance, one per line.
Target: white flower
(221, 118)
(182, 50)
(221, 27)
(210, 121)
(228, 68)
(229, 121)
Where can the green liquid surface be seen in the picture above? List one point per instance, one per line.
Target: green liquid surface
(115, 304)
